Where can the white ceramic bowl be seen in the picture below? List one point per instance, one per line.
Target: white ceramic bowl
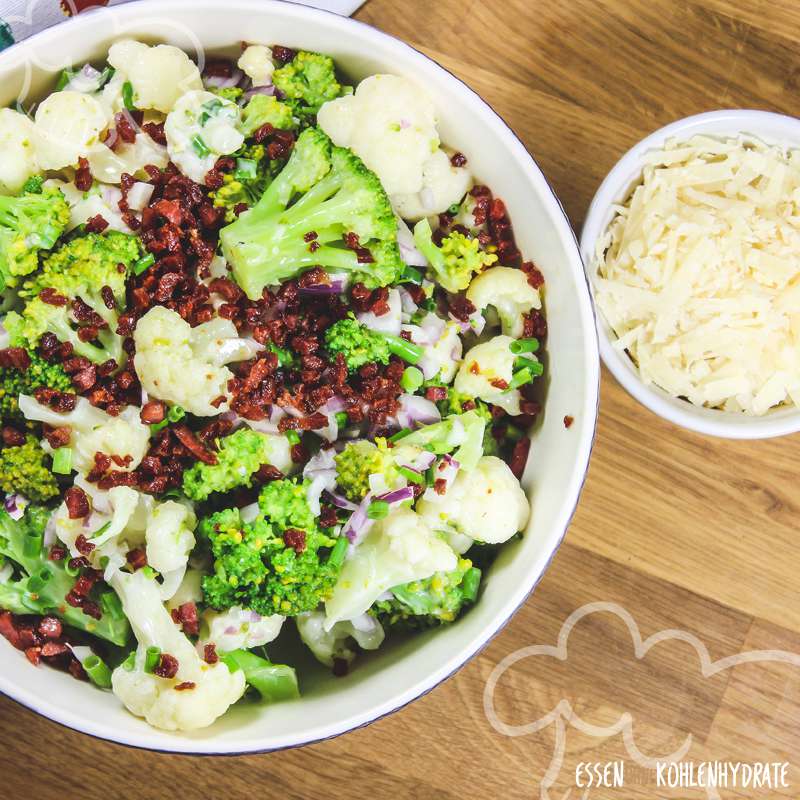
(616, 188)
(403, 670)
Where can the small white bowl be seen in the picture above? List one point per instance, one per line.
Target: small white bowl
(616, 188)
(405, 668)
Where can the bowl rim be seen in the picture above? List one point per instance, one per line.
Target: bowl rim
(617, 183)
(589, 411)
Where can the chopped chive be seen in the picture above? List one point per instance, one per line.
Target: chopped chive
(342, 419)
(453, 208)
(111, 605)
(411, 275)
(73, 572)
(412, 379)
(143, 263)
(127, 96)
(406, 350)
(175, 413)
(45, 574)
(520, 378)
(151, 658)
(101, 530)
(412, 475)
(536, 367)
(199, 146)
(377, 509)
(98, 671)
(62, 460)
(63, 79)
(292, 436)
(105, 76)
(35, 584)
(400, 435)
(129, 664)
(524, 346)
(246, 169)
(149, 572)
(470, 583)
(32, 545)
(336, 558)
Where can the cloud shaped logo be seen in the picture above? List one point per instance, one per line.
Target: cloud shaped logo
(563, 716)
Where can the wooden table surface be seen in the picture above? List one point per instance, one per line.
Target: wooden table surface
(683, 532)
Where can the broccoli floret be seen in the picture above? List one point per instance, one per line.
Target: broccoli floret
(239, 457)
(434, 601)
(78, 271)
(282, 563)
(456, 261)
(14, 382)
(245, 185)
(232, 93)
(308, 81)
(358, 461)
(40, 585)
(29, 223)
(360, 345)
(323, 200)
(266, 110)
(23, 469)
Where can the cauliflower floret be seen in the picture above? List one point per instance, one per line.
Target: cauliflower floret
(398, 549)
(68, 126)
(239, 628)
(145, 694)
(159, 75)
(100, 199)
(484, 363)
(94, 431)
(183, 365)
(190, 589)
(443, 185)
(390, 123)
(169, 536)
(441, 359)
(108, 165)
(256, 63)
(335, 644)
(486, 504)
(17, 153)
(508, 290)
(201, 128)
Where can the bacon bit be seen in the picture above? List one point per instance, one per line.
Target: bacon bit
(78, 563)
(137, 558)
(283, 55)
(92, 610)
(51, 649)
(85, 379)
(125, 127)
(96, 224)
(535, 277)
(296, 539)
(186, 616)
(15, 358)
(534, 325)
(461, 308)
(328, 517)
(58, 401)
(33, 654)
(310, 236)
(8, 629)
(52, 297)
(167, 666)
(193, 444)
(499, 383)
(78, 507)
(75, 668)
(50, 627)
(83, 176)
(436, 393)
(210, 654)
(12, 437)
(153, 412)
(186, 685)
(519, 457)
(568, 420)
(440, 486)
(57, 553)
(458, 160)
(299, 454)
(218, 68)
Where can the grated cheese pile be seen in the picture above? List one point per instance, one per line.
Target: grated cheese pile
(699, 273)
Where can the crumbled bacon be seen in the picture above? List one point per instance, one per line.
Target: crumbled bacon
(210, 654)
(296, 539)
(167, 666)
(137, 558)
(78, 507)
(14, 358)
(186, 616)
(519, 457)
(12, 437)
(83, 176)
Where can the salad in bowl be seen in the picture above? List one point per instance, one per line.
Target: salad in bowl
(270, 357)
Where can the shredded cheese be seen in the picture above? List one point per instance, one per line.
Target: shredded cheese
(698, 273)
